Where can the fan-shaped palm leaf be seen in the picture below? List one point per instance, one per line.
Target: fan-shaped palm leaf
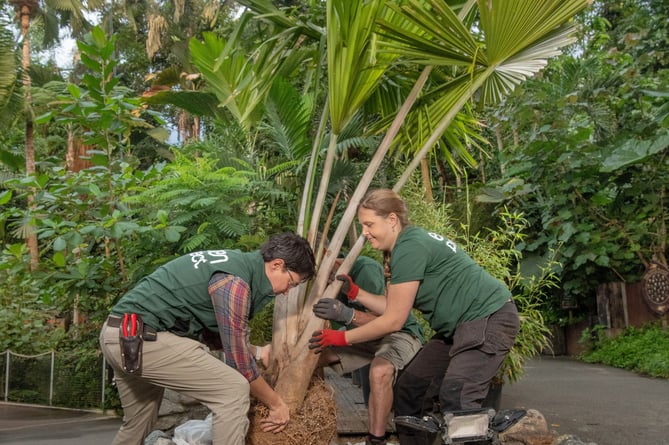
(517, 38)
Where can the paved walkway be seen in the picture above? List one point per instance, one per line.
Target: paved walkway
(597, 403)
(34, 425)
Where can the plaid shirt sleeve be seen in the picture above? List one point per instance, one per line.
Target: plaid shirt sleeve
(231, 297)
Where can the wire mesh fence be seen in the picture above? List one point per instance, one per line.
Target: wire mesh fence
(69, 379)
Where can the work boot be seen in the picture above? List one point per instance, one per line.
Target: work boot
(375, 440)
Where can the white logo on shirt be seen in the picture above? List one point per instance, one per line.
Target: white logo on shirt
(201, 257)
(450, 244)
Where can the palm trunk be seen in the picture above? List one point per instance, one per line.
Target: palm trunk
(292, 362)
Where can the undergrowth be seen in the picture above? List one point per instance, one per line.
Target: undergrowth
(644, 350)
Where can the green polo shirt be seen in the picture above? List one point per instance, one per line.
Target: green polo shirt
(176, 296)
(453, 288)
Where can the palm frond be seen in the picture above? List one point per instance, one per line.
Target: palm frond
(355, 66)
(267, 11)
(516, 39)
(528, 61)
(239, 81)
(430, 33)
(8, 67)
(289, 119)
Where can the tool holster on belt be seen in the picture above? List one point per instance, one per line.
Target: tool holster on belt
(130, 334)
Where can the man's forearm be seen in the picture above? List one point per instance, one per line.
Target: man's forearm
(261, 390)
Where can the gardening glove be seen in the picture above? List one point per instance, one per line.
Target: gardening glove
(348, 286)
(335, 310)
(326, 337)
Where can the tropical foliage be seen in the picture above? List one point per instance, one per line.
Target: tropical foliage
(202, 123)
(582, 153)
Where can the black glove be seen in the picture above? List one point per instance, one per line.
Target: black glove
(335, 310)
(348, 286)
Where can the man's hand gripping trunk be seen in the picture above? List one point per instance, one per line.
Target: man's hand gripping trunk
(131, 341)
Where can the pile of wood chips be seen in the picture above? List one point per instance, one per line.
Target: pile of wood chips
(314, 424)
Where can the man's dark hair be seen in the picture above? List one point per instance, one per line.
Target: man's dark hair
(293, 250)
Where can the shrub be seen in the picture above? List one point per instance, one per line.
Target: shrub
(644, 349)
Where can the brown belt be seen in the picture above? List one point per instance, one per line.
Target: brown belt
(148, 333)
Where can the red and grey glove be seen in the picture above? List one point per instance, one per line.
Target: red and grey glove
(348, 286)
(325, 338)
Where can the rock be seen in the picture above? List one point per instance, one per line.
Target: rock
(571, 440)
(530, 430)
(533, 430)
(158, 437)
(177, 409)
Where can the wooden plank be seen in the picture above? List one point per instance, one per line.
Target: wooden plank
(352, 416)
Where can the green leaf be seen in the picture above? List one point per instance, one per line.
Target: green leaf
(162, 216)
(82, 269)
(94, 189)
(566, 232)
(90, 63)
(490, 195)
(605, 197)
(74, 90)
(172, 234)
(59, 244)
(99, 37)
(159, 134)
(632, 151)
(5, 196)
(45, 118)
(59, 259)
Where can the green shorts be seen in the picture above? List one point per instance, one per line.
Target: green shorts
(398, 348)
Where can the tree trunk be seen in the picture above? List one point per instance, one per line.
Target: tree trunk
(76, 150)
(293, 363)
(31, 240)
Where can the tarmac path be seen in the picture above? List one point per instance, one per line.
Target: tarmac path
(596, 403)
(33, 425)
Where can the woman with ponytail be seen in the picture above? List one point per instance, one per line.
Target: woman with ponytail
(472, 313)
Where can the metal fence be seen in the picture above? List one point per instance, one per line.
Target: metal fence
(65, 379)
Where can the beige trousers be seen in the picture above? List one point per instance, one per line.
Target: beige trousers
(183, 365)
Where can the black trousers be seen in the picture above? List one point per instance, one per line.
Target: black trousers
(455, 373)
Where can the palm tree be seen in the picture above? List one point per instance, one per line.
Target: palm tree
(518, 39)
(459, 65)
